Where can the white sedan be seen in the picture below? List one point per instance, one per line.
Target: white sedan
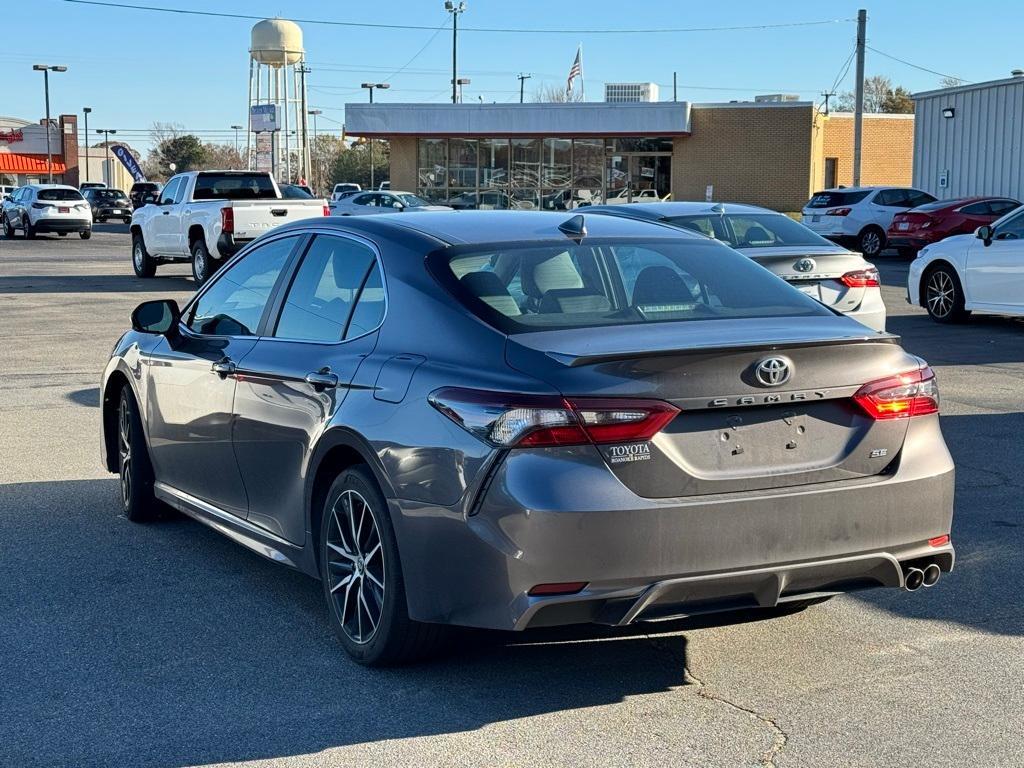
(365, 203)
(983, 272)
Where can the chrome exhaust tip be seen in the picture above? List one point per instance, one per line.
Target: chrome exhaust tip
(932, 572)
(913, 578)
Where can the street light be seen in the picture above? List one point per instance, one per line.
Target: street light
(455, 10)
(461, 82)
(371, 86)
(237, 128)
(86, 111)
(106, 144)
(317, 181)
(46, 69)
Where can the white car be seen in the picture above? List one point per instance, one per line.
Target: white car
(6, 191)
(859, 216)
(982, 272)
(344, 188)
(37, 208)
(383, 202)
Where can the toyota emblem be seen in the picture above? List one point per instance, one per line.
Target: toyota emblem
(773, 371)
(805, 265)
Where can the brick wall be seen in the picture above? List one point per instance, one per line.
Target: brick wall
(403, 163)
(757, 155)
(68, 125)
(887, 149)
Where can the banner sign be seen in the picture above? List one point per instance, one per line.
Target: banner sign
(264, 117)
(128, 160)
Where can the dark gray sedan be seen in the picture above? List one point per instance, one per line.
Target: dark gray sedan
(517, 419)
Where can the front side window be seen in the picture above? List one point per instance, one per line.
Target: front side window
(234, 304)
(1011, 229)
(335, 273)
(1002, 207)
(167, 196)
(522, 289)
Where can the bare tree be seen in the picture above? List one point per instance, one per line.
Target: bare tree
(556, 94)
(951, 82)
(879, 96)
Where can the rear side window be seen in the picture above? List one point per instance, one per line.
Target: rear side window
(1002, 207)
(234, 186)
(752, 230)
(234, 304)
(976, 209)
(325, 300)
(833, 199)
(521, 289)
(61, 195)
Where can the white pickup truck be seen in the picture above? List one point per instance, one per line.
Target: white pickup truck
(207, 216)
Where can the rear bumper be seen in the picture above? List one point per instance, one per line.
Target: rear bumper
(62, 225)
(908, 241)
(559, 515)
(871, 311)
(228, 246)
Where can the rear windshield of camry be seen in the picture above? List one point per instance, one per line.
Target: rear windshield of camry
(750, 230)
(564, 285)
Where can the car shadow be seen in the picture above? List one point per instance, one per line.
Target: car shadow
(167, 644)
(90, 397)
(126, 283)
(982, 339)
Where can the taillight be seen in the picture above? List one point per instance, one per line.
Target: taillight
(914, 393)
(510, 420)
(861, 278)
(327, 210)
(837, 212)
(227, 220)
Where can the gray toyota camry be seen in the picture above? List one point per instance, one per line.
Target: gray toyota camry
(523, 419)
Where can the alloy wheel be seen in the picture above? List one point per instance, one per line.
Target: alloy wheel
(137, 255)
(124, 449)
(871, 243)
(355, 572)
(941, 293)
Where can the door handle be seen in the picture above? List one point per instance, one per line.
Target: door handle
(166, 213)
(224, 367)
(322, 379)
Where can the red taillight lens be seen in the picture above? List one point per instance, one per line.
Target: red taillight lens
(862, 278)
(327, 210)
(227, 220)
(837, 212)
(909, 394)
(564, 588)
(511, 420)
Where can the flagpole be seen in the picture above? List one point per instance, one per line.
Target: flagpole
(583, 80)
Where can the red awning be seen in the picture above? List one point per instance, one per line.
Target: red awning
(12, 162)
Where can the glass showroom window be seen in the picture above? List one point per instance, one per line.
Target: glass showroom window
(526, 173)
(494, 163)
(587, 170)
(433, 168)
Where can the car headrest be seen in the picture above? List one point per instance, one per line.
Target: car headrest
(660, 285)
(570, 300)
(551, 274)
(757, 236)
(489, 288)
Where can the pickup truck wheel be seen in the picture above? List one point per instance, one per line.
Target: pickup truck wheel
(202, 263)
(142, 262)
(85, 234)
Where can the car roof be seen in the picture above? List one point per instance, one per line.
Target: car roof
(660, 210)
(867, 189)
(464, 227)
(51, 186)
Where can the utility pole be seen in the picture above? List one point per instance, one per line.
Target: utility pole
(236, 129)
(522, 81)
(109, 181)
(674, 91)
(455, 10)
(46, 69)
(858, 113)
(828, 95)
(86, 111)
(317, 171)
(303, 70)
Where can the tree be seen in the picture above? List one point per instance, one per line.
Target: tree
(879, 96)
(950, 82)
(352, 164)
(224, 157)
(556, 94)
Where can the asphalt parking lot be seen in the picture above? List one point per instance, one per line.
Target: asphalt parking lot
(167, 645)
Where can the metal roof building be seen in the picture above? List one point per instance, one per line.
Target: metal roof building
(969, 140)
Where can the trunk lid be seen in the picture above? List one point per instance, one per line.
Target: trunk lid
(815, 271)
(254, 217)
(733, 433)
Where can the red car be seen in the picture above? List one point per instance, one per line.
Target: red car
(929, 223)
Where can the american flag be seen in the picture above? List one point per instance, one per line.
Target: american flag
(576, 70)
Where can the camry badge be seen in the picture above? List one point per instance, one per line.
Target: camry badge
(773, 371)
(805, 265)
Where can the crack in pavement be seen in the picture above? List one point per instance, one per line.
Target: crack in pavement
(779, 736)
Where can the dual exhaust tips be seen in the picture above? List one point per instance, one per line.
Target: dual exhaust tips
(915, 578)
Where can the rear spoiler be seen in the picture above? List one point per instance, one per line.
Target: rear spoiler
(593, 358)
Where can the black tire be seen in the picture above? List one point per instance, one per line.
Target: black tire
(85, 234)
(202, 263)
(62, 234)
(29, 230)
(352, 567)
(943, 295)
(135, 472)
(126, 220)
(907, 253)
(8, 229)
(871, 242)
(143, 264)
(100, 221)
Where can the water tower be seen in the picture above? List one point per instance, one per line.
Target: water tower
(277, 140)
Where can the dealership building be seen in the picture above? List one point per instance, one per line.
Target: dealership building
(970, 139)
(562, 155)
(23, 151)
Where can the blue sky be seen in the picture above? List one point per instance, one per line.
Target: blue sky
(137, 67)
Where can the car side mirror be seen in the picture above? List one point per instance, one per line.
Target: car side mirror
(160, 317)
(985, 232)
(7, 198)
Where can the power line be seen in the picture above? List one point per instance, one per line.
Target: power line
(915, 66)
(421, 50)
(494, 30)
